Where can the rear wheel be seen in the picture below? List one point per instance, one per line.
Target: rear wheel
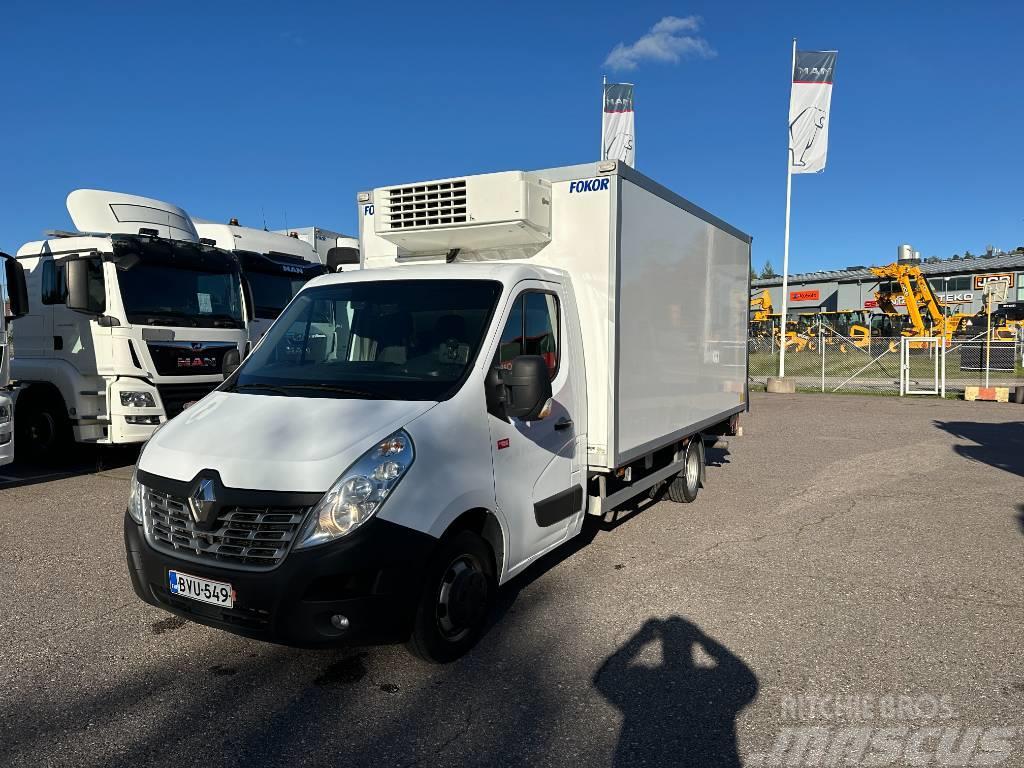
(459, 589)
(684, 486)
(42, 431)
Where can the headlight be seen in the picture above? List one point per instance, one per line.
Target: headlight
(138, 399)
(357, 495)
(5, 413)
(136, 499)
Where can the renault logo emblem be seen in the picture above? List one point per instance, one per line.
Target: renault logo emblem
(202, 501)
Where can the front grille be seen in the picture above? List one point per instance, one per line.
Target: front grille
(252, 537)
(176, 396)
(426, 205)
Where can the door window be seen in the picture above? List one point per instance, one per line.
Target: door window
(54, 288)
(531, 329)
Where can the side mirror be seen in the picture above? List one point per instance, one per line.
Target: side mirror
(338, 256)
(77, 271)
(250, 302)
(527, 387)
(17, 292)
(232, 359)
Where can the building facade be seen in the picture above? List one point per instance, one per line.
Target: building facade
(957, 282)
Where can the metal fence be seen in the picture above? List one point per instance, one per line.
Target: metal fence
(828, 361)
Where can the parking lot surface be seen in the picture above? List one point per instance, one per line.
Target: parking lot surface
(853, 563)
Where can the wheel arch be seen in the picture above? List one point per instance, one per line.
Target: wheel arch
(487, 526)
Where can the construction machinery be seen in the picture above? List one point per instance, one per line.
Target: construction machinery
(926, 315)
(761, 307)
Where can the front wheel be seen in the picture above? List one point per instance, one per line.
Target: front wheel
(684, 486)
(459, 590)
(42, 431)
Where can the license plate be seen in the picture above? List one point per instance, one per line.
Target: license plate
(205, 591)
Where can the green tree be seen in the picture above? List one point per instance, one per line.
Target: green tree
(968, 255)
(768, 270)
(753, 273)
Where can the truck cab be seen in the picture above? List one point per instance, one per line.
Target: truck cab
(16, 306)
(274, 267)
(131, 319)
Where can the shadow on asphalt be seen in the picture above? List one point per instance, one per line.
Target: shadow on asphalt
(80, 460)
(1020, 516)
(999, 445)
(681, 711)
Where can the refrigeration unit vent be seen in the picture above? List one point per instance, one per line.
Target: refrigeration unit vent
(471, 213)
(426, 205)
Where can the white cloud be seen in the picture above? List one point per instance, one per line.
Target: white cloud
(670, 40)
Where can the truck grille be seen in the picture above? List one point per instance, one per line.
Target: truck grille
(175, 396)
(253, 537)
(425, 205)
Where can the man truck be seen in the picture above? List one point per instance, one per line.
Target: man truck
(130, 319)
(16, 306)
(274, 267)
(520, 350)
(337, 252)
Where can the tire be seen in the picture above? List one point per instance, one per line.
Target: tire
(459, 591)
(684, 486)
(42, 431)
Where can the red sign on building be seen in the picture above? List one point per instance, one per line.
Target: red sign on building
(805, 295)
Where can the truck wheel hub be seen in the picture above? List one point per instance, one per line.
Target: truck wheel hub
(463, 597)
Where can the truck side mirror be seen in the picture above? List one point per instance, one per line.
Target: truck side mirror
(232, 359)
(77, 275)
(338, 256)
(528, 387)
(17, 292)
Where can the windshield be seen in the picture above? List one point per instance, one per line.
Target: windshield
(271, 293)
(394, 340)
(178, 284)
(274, 284)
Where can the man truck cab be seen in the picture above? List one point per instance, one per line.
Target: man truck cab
(131, 319)
(337, 252)
(274, 267)
(519, 351)
(17, 305)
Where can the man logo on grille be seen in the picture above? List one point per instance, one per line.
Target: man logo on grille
(202, 501)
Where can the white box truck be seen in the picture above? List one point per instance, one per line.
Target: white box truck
(337, 252)
(130, 319)
(15, 306)
(274, 267)
(522, 349)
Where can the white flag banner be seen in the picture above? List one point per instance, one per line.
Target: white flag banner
(809, 103)
(618, 140)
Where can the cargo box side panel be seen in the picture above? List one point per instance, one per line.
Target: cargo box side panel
(680, 339)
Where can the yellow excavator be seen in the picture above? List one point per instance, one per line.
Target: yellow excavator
(846, 329)
(761, 307)
(925, 315)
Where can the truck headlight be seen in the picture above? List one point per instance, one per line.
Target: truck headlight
(138, 399)
(361, 490)
(136, 499)
(5, 413)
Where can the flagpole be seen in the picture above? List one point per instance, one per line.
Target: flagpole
(604, 85)
(785, 242)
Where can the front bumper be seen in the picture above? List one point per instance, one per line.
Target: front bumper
(372, 577)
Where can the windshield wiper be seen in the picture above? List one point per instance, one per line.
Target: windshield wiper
(334, 388)
(264, 387)
(170, 318)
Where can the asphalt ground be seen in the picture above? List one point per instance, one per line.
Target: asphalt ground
(854, 565)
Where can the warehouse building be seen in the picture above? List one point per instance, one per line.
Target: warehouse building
(958, 282)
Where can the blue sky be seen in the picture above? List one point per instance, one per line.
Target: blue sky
(287, 110)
